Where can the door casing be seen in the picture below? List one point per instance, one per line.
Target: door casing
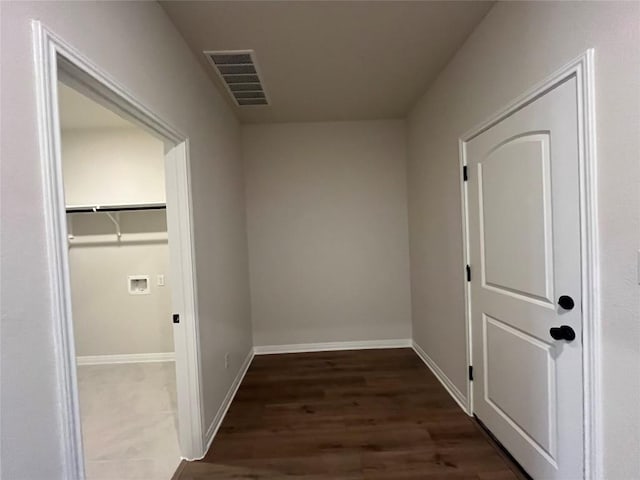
(582, 68)
(57, 60)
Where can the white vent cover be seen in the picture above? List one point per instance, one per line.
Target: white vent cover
(240, 74)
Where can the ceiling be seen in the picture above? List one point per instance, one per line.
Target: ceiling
(331, 60)
(78, 111)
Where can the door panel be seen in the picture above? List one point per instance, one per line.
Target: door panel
(524, 241)
(510, 392)
(515, 219)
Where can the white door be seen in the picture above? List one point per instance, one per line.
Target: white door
(524, 246)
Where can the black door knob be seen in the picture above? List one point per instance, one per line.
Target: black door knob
(566, 302)
(564, 332)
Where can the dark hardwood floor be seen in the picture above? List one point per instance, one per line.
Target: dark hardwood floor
(366, 414)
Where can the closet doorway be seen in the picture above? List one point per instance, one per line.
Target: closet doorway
(93, 203)
(114, 184)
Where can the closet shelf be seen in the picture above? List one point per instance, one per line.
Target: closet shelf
(108, 210)
(115, 208)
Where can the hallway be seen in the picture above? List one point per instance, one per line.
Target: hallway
(378, 200)
(375, 414)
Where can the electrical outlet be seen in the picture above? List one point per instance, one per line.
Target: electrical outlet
(226, 360)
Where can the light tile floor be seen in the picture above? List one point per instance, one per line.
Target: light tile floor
(129, 421)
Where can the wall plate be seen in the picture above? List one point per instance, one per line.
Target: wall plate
(138, 284)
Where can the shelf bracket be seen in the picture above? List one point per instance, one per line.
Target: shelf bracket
(70, 235)
(116, 221)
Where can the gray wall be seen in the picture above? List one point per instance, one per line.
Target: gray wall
(328, 235)
(137, 44)
(516, 46)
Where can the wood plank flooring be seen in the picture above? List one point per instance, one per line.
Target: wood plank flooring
(365, 414)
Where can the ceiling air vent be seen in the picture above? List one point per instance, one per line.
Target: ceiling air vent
(239, 72)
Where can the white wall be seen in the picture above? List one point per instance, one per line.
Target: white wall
(156, 66)
(517, 45)
(105, 166)
(328, 235)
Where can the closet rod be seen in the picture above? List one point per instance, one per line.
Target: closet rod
(124, 208)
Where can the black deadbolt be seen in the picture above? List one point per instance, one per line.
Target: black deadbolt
(565, 332)
(566, 302)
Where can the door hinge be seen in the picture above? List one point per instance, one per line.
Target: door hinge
(470, 373)
(465, 173)
(176, 318)
(468, 273)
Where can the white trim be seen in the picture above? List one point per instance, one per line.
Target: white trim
(582, 68)
(55, 59)
(446, 382)
(126, 358)
(58, 264)
(226, 403)
(467, 285)
(331, 346)
(186, 336)
(591, 271)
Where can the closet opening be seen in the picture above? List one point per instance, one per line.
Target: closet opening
(117, 206)
(118, 254)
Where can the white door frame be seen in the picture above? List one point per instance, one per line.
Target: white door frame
(582, 69)
(55, 59)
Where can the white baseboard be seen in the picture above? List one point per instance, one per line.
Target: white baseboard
(126, 358)
(331, 346)
(444, 380)
(226, 403)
